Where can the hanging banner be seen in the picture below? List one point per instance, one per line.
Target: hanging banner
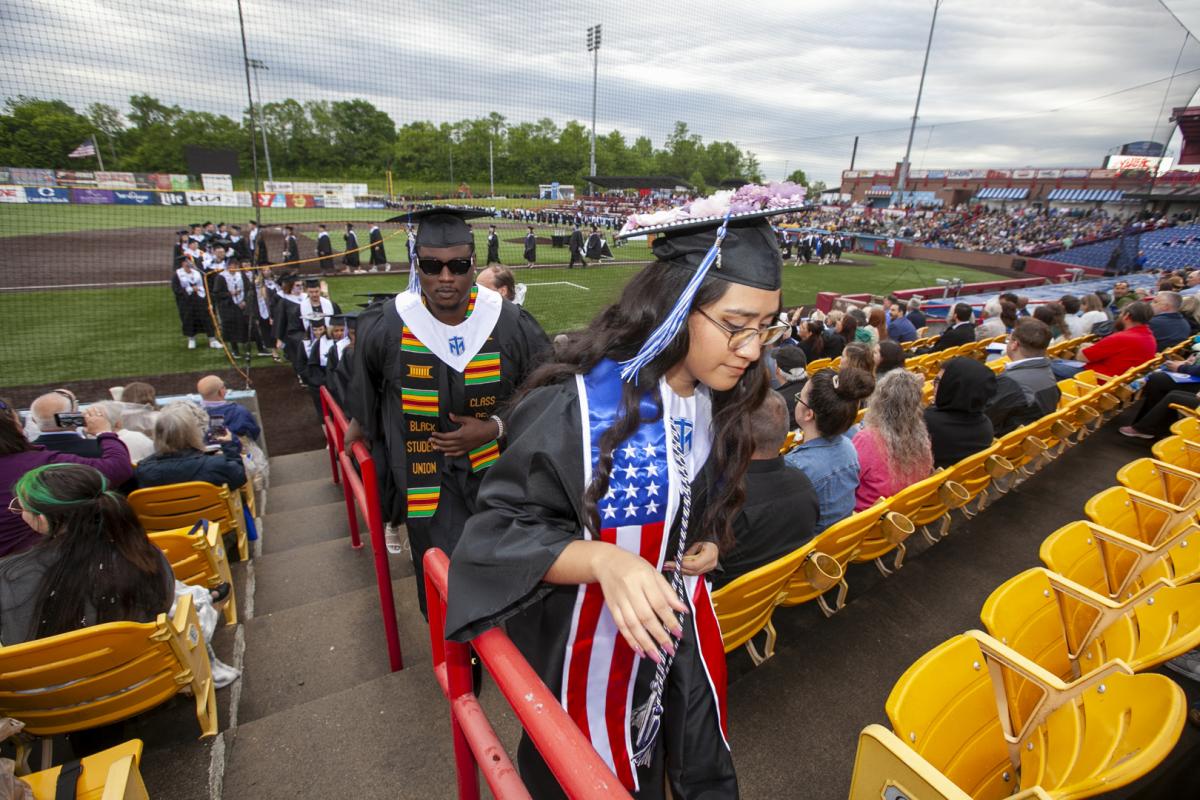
(116, 180)
(93, 197)
(1075, 173)
(218, 198)
(999, 174)
(1024, 174)
(216, 183)
(46, 194)
(32, 177)
(919, 174)
(300, 201)
(958, 174)
(135, 198)
(12, 194)
(172, 198)
(66, 177)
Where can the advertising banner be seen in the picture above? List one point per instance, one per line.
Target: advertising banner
(116, 180)
(32, 177)
(1024, 174)
(368, 202)
(216, 183)
(93, 197)
(6, 176)
(1075, 173)
(979, 174)
(218, 198)
(1049, 173)
(159, 180)
(305, 187)
(273, 187)
(1135, 163)
(12, 194)
(172, 198)
(958, 174)
(999, 174)
(1102, 174)
(145, 180)
(849, 174)
(135, 198)
(272, 200)
(338, 200)
(46, 194)
(355, 188)
(919, 174)
(180, 183)
(66, 177)
(936, 174)
(300, 201)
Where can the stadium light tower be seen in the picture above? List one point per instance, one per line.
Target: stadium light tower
(917, 110)
(256, 65)
(593, 44)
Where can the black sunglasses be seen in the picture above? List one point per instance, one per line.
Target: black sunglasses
(432, 266)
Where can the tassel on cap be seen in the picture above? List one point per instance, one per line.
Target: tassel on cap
(665, 333)
(414, 281)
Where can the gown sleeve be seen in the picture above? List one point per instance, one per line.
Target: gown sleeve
(366, 380)
(529, 510)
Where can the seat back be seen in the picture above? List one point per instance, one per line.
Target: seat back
(198, 558)
(106, 673)
(818, 365)
(1024, 613)
(1110, 564)
(1160, 479)
(1127, 513)
(111, 774)
(884, 767)
(745, 605)
(1187, 427)
(1178, 450)
(839, 542)
(976, 472)
(181, 505)
(920, 497)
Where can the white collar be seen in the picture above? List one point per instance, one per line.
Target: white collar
(468, 336)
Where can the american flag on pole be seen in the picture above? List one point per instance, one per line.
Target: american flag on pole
(85, 150)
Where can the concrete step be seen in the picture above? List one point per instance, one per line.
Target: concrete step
(299, 467)
(305, 494)
(386, 738)
(287, 528)
(303, 653)
(311, 573)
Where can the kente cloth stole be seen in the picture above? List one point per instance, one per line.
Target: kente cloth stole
(422, 409)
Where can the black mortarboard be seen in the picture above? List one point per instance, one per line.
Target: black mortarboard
(183, 232)
(443, 226)
(343, 319)
(312, 283)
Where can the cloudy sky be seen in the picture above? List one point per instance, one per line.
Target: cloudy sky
(1013, 83)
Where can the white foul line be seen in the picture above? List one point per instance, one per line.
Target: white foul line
(81, 286)
(560, 283)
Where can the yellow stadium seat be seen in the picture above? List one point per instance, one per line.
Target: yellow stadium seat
(1137, 515)
(106, 673)
(1159, 479)
(1178, 451)
(111, 774)
(1112, 564)
(818, 364)
(893, 526)
(826, 557)
(975, 475)
(1188, 426)
(181, 505)
(1073, 740)
(198, 558)
(745, 606)
(1070, 630)
(887, 768)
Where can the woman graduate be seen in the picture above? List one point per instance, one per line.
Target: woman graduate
(597, 523)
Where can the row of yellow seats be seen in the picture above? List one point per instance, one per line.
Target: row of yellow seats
(111, 774)
(181, 505)
(1051, 704)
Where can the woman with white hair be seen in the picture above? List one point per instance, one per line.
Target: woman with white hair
(140, 445)
(992, 325)
(182, 454)
(893, 445)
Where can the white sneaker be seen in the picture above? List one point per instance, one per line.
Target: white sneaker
(1187, 664)
(214, 344)
(192, 343)
(392, 539)
(387, 267)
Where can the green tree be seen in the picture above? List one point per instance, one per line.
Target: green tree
(798, 176)
(107, 122)
(41, 133)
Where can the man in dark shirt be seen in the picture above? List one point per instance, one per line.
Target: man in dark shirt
(915, 315)
(1027, 389)
(781, 508)
(57, 437)
(898, 326)
(960, 331)
(1167, 324)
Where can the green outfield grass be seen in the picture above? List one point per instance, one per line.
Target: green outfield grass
(60, 336)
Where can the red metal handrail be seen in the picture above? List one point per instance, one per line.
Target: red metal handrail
(334, 423)
(569, 755)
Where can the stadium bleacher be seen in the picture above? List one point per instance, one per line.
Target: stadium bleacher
(1168, 248)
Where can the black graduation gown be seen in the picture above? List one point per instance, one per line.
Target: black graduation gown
(288, 327)
(260, 249)
(351, 259)
(530, 248)
(235, 324)
(378, 254)
(374, 400)
(337, 380)
(325, 248)
(493, 255)
(291, 250)
(595, 244)
(241, 249)
(529, 508)
(575, 244)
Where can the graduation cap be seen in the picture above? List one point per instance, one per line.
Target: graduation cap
(349, 319)
(728, 234)
(374, 296)
(440, 226)
(312, 283)
(182, 232)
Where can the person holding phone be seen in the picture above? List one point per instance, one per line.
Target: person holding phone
(187, 451)
(18, 455)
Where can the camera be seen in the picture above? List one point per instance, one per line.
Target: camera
(69, 419)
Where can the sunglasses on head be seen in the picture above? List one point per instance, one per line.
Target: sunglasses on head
(433, 266)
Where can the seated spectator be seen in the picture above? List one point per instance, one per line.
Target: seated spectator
(1168, 325)
(844, 333)
(859, 356)
(1071, 305)
(992, 326)
(1123, 295)
(18, 456)
(825, 410)
(138, 444)
(863, 332)
(500, 280)
(1027, 389)
(1131, 345)
(1008, 315)
(888, 356)
(893, 445)
(1092, 313)
(960, 331)
(915, 315)
(179, 439)
(956, 422)
(1052, 316)
(780, 511)
(66, 439)
(139, 394)
(1190, 309)
(1155, 416)
(73, 578)
(899, 327)
(877, 319)
(793, 374)
(812, 340)
(238, 420)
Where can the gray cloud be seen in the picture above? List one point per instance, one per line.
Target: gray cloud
(794, 82)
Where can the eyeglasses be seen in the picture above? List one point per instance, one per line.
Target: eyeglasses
(15, 506)
(457, 266)
(740, 337)
(800, 400)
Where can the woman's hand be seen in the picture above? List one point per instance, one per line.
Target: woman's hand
(699, 559)
(640, 600)
(95, 422)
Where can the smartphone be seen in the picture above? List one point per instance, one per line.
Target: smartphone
(69, 419)
(216, 426)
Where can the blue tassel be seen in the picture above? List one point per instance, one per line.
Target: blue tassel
(665, 333)
(414, 282)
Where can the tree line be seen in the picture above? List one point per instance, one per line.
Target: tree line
(352, 139)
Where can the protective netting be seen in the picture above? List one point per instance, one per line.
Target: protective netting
(126, 122)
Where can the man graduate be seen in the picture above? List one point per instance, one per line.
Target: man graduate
(258, 245)
(493, 242)
(530, 248)
(595, 244)
(350, 258)
(432, 370)
(378, 254)
(288, 324)
(324, 249)
(575, 244)
(314, 303)
(291, 249)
